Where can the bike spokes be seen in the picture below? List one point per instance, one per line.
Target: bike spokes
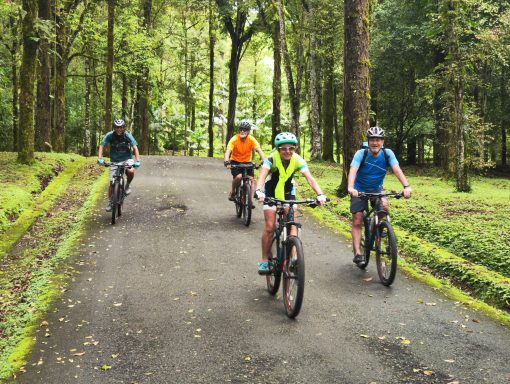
(386, 253)
(293, 277)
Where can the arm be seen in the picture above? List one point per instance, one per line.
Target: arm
(350, 181)
(137, 153)
(315, 186)
(260, 183)
(100, 152)
(226, 158)
(403, 180)
(261, 154)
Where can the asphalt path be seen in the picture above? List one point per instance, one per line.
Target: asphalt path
(170, 294)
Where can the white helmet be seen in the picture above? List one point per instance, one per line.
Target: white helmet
(375, 132)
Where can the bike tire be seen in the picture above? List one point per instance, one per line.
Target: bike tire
(293, 273)
(247, 204)
(120, 200)
(273, 280)
(365, 243)
(115, 201)
(238, 202)
(386, 253)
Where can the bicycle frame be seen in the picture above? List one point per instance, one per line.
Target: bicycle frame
(118, 193)
(243, 193)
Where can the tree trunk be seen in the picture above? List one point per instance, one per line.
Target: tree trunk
(328, 111)
(124, 97)
(411, 151)
(86, 125)
(144, 87)
(212, 42)
(58, 134)
(14, 84)
(338, 131)
(277, 83)
(356, 82)
(108, 119)
(505, 113)
(315, 130)
(43, 110)
(27, 81)
(233, 68)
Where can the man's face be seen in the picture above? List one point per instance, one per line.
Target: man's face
(375, 144)
(244, 133)
(286, 151)
(120, 130)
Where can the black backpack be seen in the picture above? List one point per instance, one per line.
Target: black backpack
(365, 154)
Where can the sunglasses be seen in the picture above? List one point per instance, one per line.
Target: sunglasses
(287, 149)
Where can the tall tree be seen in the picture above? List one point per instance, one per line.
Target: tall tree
(356, 81)
(144, 85)
(212, 42)
(277, 83)
(27, 81)
(108, 119)
(315, 133)
(294, 87)
(43, 110)
(240, 34)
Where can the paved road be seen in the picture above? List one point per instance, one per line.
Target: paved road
(171, 295)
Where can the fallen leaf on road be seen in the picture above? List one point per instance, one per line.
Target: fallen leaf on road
(450, 361)
(428, 373)
(430, 304)
(78, 354)
(106, 367)
(368, 279)
(117, 304)
(419, 301)
(364, 336)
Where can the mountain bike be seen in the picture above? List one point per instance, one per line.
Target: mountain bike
(117, 185)
(243, 197)
(377, 235)
(286, 258)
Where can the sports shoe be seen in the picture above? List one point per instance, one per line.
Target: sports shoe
(127, 191)
(264, 268)
(357, 259)
(231, 196)
(109, 207)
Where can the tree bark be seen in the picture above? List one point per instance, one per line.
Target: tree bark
(108, 119)
(505, 112)
(315, 130)
(356, 82)
(277, 83)
(27, 81)
(43, 110)
(144, 87)
(328, 111)
(14, 83)
(212, 42)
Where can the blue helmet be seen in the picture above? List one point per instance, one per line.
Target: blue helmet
(284, 138)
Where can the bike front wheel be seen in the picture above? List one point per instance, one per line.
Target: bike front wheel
(238, 202)
(274, 279)
(366, 245)
(247, 203)
(386, 253)
(115, 201)
(293, 277)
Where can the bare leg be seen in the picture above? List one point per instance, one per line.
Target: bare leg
(357, 219)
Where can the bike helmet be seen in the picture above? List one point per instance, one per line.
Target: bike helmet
(284, 138)
(118, 123)
(244, 126)
(374, 132)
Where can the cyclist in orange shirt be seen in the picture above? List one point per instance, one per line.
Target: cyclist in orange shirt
(238, 151)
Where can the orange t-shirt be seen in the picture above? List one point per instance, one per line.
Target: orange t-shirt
(241, 150)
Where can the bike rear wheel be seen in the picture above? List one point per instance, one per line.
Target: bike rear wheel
(386, 253)
(115, 201)
(293, 271)
(273, 280)
(247, 203)
(238, 202)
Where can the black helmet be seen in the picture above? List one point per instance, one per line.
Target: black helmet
(118, 123)
(244, 126)
(374, 132)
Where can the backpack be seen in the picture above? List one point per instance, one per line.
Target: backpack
(365, 154)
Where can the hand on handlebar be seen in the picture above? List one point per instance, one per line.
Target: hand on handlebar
(322, 198)
(226, 164)
(353, 192)
(136, 164)
(260, 195)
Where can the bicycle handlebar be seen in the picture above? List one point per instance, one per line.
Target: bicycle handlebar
(127, 164)
(246, 165)
(311, 202)
(368, 195)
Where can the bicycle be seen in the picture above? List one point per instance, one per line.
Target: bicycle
(378, 235)
(117, 185)
(243, 197)
(286, 257)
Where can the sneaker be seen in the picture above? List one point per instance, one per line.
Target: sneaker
(264, 268)
(109, 207)
(231, 196)
(357, 259)
(127, 191)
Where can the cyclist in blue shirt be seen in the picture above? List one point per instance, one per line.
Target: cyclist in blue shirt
(122, 144)
(367, 172)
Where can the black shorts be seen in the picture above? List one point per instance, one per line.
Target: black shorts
(237, 171)
(359, 205)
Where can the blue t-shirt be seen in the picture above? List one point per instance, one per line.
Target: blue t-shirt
(371, 176)
(120, 146)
